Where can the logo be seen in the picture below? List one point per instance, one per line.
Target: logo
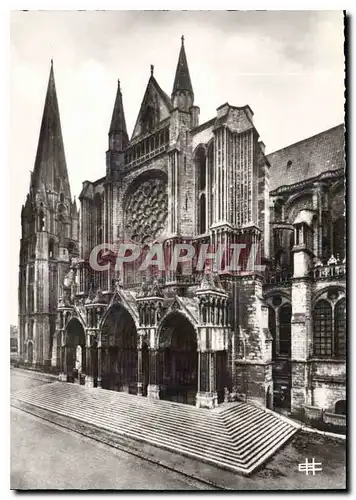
(309, 467)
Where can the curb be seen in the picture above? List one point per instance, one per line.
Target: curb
(284, 418)
(323, 433)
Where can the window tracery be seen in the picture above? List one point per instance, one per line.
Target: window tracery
(329, 328)
(147, 211)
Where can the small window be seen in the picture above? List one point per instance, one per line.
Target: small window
(340, 328)
(340, 407)
(202, 221)
(339, 238)
(71, 248)
(285, 316)
(51, 249)
(323, 329)
(41, 220)
(272, 328)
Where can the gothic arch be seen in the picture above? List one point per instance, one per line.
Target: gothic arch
(308, 192)
(167, 317)
(75, 330)
(293, 205)
(109, 311)
(30, 349)
(201, 145)
(341, 291)
(178, 358)
(98, 216)
(273, 293)
(125, 315)
(200, 160)
(119, 341)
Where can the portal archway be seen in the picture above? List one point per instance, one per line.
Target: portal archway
(75, 343)
(178, 359)
(119, 351)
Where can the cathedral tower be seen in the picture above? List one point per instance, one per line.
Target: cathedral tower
(50, 227)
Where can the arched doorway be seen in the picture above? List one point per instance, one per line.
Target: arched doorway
(75, 344)
(119, 351)
(30, 352)
(178, 359)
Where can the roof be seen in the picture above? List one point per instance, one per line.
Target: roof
(155, 98)
(308, 158)
(182, 79)
(163, 94)
(50, 171)
(203, 126)
(118, 123)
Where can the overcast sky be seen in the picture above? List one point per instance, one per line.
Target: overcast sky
(288, 66)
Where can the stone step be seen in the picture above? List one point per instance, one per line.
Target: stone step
(128, 406)
(129, 409)
(187, 434)
(194, 449)
(243, 418)
(239, 438)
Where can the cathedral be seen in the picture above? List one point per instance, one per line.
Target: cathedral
(274, 337)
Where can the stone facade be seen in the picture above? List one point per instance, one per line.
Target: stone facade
(202, 337)
(50, 238)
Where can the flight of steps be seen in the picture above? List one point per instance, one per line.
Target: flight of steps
(237, 437)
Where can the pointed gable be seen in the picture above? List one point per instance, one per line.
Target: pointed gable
(155, 107)
(50, 172)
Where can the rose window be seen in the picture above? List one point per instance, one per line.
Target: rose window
(146, 211)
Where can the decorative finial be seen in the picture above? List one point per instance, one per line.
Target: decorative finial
(51, 63)
(118, 83)
(152, 69)
(182, 38)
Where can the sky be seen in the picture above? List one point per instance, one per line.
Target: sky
(288, 66)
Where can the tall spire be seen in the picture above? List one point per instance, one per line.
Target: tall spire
(50, 165)
(118, 137)
(182, 79)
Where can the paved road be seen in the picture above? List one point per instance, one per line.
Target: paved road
(45, 456)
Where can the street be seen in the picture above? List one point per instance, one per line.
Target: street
(45, 456)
